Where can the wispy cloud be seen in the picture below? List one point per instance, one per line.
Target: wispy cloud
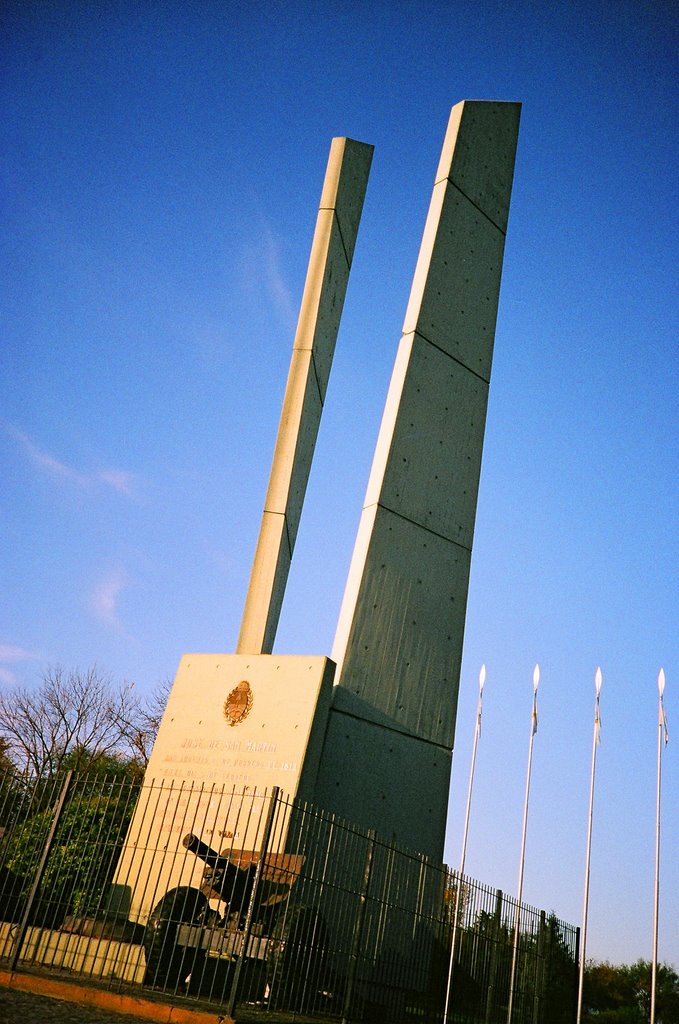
(11, 654)
(118, 479)
(275, 279)
(44, 461)
(105, 598)
(262, 267)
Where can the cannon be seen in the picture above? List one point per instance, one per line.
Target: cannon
(182, 925)
(222, 878)
(188, 944)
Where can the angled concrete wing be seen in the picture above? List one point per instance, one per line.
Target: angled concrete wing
(324, 291)
(398, 645)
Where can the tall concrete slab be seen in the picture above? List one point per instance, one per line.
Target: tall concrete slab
(398, 648)
(332, 252)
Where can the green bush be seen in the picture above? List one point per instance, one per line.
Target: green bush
(83, 853)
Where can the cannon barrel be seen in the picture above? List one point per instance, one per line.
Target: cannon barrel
(232, 883)
(204, 852)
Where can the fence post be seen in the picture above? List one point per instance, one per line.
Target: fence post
(494, 950)
(23, 927)
(453, 946)
(358, 928)
(577, 974)
(266, 839)
(539, 993)
(421, 889)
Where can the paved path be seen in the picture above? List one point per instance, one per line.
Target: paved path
(25, 1008)
(27, 998)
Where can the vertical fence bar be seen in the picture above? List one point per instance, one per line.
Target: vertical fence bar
(266, 838)
(421, 886)
(358, 927)
(23, 927)
(539, 991)
(127, 794)
(494, 950)
(576, 958)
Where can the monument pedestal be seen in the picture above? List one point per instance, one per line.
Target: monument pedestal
(235, 727)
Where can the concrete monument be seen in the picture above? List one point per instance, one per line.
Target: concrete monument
(373, 740)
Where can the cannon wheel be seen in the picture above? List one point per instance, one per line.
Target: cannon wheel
(296, 958)
(167, 965)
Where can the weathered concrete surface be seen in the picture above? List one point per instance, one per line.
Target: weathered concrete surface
(398, 648)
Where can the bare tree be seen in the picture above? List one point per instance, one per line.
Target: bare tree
(142, 729)
(77, 720)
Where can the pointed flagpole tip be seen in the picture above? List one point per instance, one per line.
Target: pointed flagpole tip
(597, 681)
(536, 677)
(661, 681)
(482, 677)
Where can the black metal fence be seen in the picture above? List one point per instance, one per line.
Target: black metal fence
(262, 906)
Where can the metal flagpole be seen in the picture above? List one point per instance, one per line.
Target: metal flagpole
(533, 730)
(663, 735)
(477, 733)
(583, 941)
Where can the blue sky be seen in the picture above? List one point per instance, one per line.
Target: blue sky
(161, 173)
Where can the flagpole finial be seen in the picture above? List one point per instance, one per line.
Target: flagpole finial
(536, 677)
(661, 681)
(598, 679)
(482, 677)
